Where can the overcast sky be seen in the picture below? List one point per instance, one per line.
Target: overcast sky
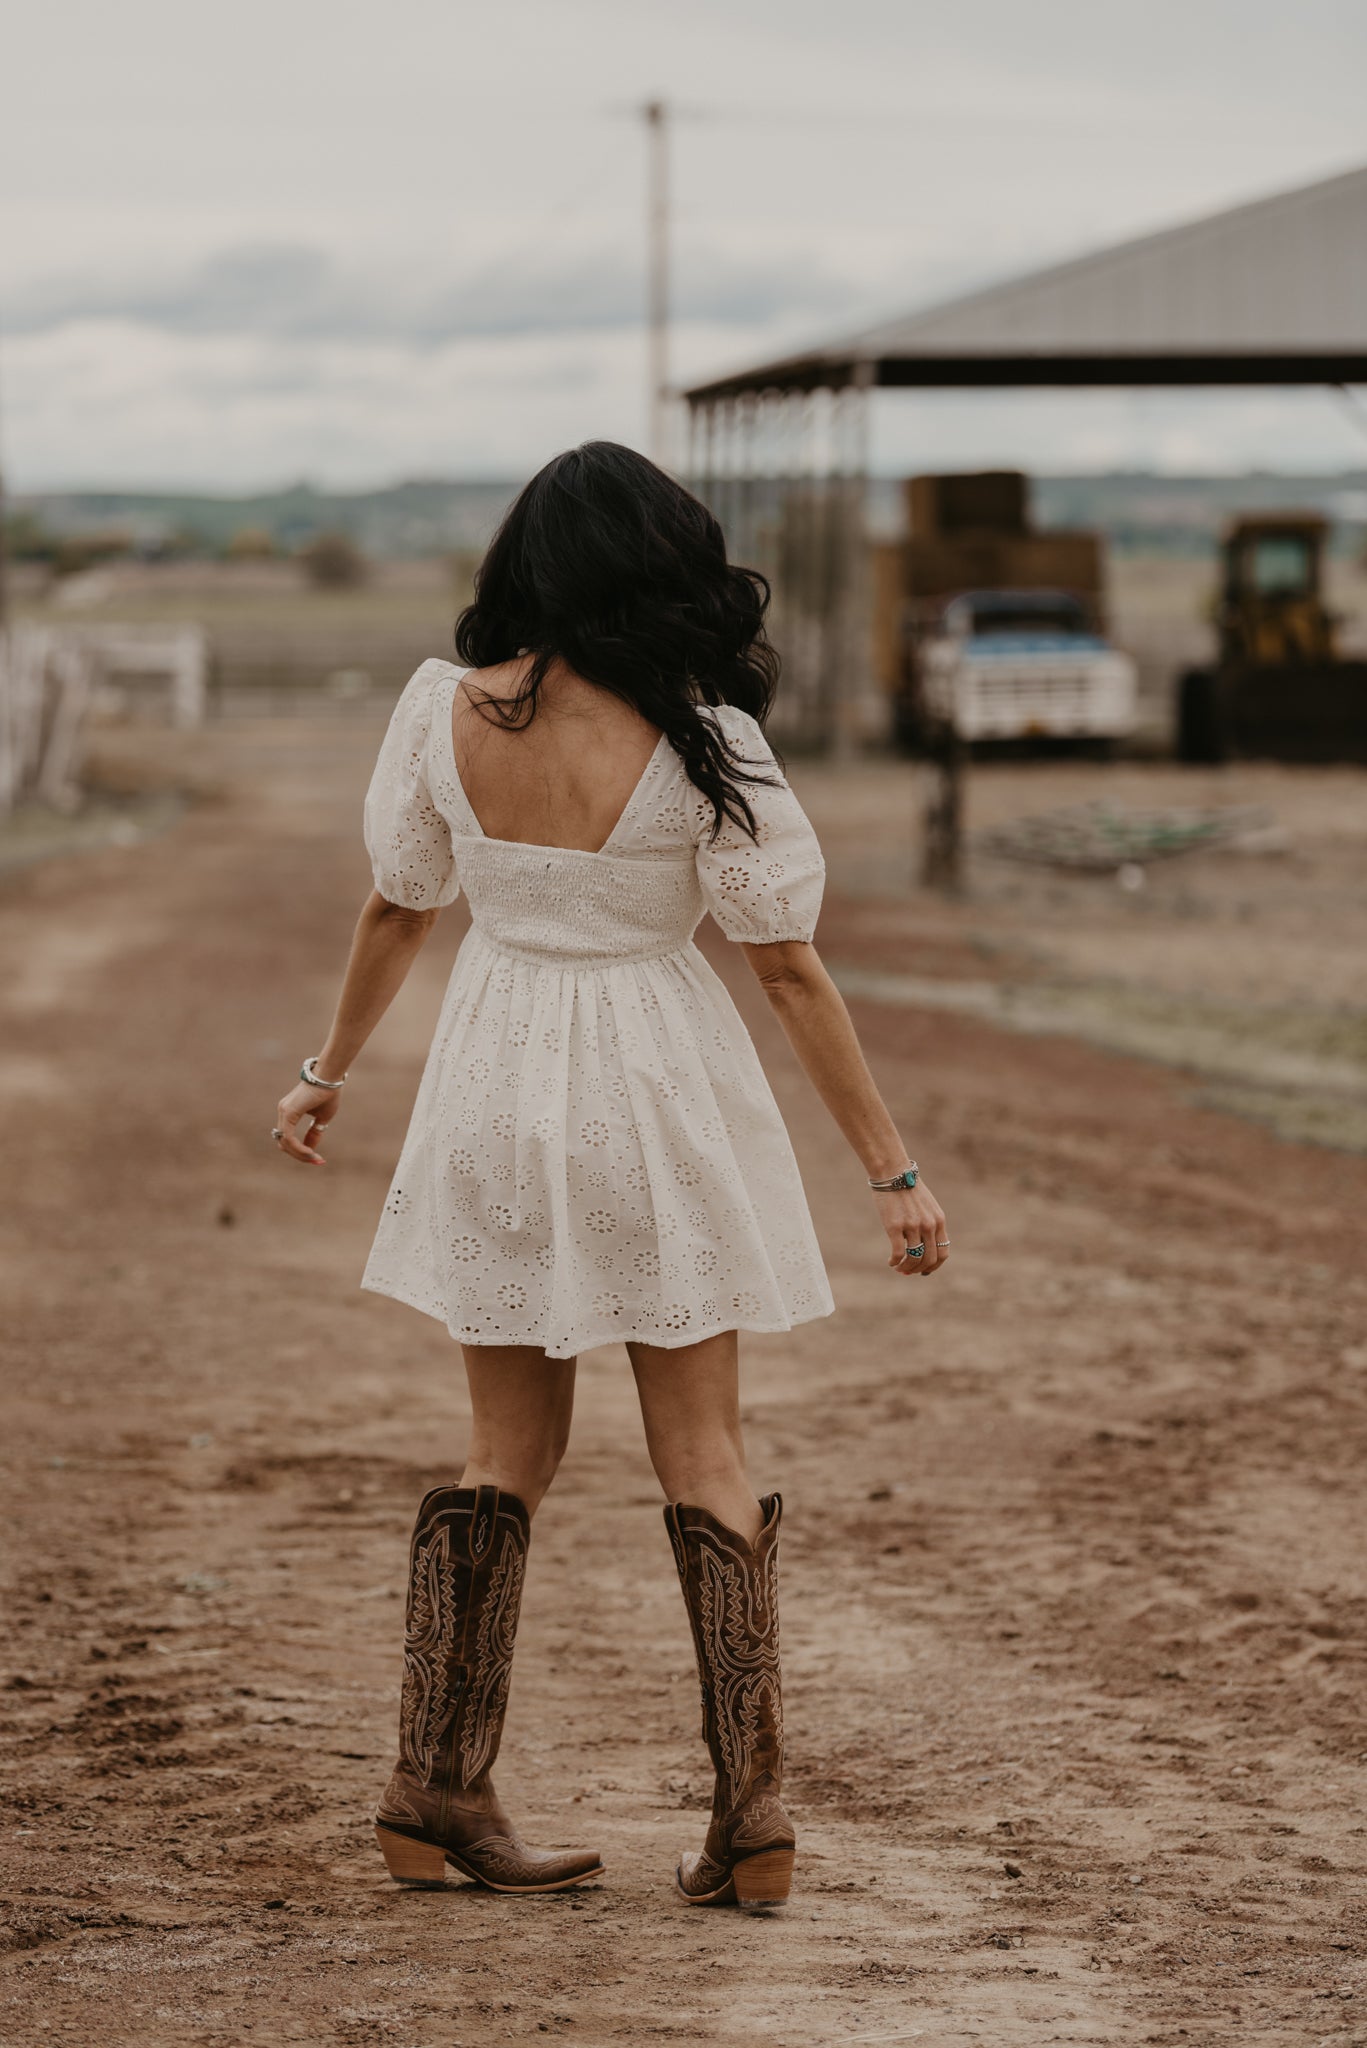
(356, 241)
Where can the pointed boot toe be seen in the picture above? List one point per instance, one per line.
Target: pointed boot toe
(504, 1863)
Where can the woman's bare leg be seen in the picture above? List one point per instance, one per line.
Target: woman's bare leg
(690, 1404)
(521, 1402)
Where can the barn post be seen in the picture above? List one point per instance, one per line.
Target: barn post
(726, 464)
(709, 452)
(823, 570)
(747, 482)
(792, 596)
(851, 596)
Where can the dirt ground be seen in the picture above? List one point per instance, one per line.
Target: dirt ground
(1073, 1562)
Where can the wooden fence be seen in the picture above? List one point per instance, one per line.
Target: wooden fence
(48, 681)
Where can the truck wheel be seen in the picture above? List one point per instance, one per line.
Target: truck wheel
(1201, 735)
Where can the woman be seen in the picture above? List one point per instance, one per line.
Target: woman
(594, 1154)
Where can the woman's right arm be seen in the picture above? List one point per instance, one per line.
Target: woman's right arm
(812, 1012)
(387, 941)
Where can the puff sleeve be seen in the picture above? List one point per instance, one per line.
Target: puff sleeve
(406, 836)
(763, 890)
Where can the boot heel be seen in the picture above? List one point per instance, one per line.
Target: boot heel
(764, 1880)
(410, 1862)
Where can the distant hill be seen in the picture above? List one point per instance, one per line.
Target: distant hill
(403, 521)
(1167, 514)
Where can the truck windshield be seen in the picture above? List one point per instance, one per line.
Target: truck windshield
(1061, 615)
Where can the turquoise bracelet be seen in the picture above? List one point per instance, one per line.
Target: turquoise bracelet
(905, 1179)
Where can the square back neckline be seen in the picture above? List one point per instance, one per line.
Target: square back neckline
(456, 677)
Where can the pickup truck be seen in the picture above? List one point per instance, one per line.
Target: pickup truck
(1017, 665)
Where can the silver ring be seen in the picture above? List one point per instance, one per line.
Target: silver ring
(277, 1134)
(914, 1251)
(942, 1244)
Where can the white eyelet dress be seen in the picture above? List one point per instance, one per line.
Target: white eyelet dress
(595, 1155)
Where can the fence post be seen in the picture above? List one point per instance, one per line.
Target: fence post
(942, 859)
(56, 782)
(189, 679)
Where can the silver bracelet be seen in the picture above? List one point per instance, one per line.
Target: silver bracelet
(905, 1179)
(309, 1073)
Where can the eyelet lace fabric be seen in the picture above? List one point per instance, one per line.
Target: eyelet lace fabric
(594, 1155)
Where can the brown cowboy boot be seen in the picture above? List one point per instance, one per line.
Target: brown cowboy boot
(466, 1568)
(731, 1591)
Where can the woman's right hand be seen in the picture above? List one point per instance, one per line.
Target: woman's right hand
(913, 1216)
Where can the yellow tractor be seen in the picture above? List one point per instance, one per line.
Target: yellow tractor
(1279, 689)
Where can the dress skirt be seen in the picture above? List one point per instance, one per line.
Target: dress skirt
(595, 1156)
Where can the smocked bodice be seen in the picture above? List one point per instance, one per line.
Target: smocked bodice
(557, 905)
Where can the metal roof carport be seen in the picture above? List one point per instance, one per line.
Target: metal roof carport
(1269, 293)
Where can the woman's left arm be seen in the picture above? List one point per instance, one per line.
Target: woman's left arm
(387, 940)
(812, 1012)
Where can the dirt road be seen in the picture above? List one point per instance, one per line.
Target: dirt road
(1074, 1569)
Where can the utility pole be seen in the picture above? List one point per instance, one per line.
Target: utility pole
(4, 559)
(4, 551)
(657, 288)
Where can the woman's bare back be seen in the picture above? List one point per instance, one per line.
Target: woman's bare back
(563, 780)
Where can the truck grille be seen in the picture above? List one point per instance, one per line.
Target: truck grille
(1013, 699)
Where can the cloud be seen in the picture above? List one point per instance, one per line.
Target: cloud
(109, 404)
(298, 291)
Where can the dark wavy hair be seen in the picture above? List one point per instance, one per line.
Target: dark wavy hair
(607, 564)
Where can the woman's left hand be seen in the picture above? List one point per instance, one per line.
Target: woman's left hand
(912, 1216)
(314, 1108)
